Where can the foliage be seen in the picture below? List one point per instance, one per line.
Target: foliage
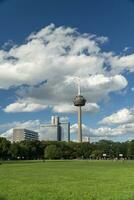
(4, 148)
(36, 150)
(52, 152)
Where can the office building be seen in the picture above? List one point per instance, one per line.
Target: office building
(56, 130)
(20, 134)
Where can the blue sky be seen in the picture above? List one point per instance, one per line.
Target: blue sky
(109, 29)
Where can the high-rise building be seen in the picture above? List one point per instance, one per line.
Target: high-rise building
(56, 130)
(20, 134)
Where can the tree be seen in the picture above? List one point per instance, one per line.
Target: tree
(52, 152)
(83, 150)
(97, 154)
(15, 150)
(4, 148)
(130, 152)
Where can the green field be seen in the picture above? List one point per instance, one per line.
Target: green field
(67, 180)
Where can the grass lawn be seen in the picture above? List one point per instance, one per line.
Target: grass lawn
(67, 180)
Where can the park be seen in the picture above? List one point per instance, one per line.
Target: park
(38, 170)
(67, 100)
(67, 180)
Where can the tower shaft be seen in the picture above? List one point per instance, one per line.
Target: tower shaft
(79, 124)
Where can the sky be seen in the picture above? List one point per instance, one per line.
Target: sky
(46, 44)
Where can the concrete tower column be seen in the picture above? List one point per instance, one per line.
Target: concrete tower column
(79, 124)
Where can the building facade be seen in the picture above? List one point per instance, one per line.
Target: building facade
(20, 134)
(56, 130)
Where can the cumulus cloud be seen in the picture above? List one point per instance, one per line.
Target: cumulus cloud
(100, 82)
(92, 132)
(24, 106)
(126, 49)
(49, 49)
(57, 54)
(120, 64)
(64, 119)
(118, 131)
(67, 108)
(104, 131)
(123, 116)
(74, 129)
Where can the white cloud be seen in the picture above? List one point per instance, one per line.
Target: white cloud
(64, 119)
(24, 106)
(132, 89)
(67, 108)
(126, 49)
(120, 64)
(87, 131)
(50, 49)
(100, 82)
(74, 128)
(105, 132)
(120, 130)
(57, 54)
(121, 117)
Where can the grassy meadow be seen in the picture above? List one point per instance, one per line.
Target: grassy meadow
(67, 180)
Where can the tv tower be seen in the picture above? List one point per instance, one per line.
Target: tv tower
(79, 101)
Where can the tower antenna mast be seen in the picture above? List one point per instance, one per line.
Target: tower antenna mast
(79, 85)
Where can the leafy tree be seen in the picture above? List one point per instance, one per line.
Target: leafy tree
(84, 150)
(4, 148)
(97, 154)
(64, 150)
(52, 152)
(130, 150)
(15, 150)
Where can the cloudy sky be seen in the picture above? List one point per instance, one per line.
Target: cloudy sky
(45, 45)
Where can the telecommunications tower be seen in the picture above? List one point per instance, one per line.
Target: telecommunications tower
(79, 101)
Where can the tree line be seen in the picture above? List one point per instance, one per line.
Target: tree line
(30, 150)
